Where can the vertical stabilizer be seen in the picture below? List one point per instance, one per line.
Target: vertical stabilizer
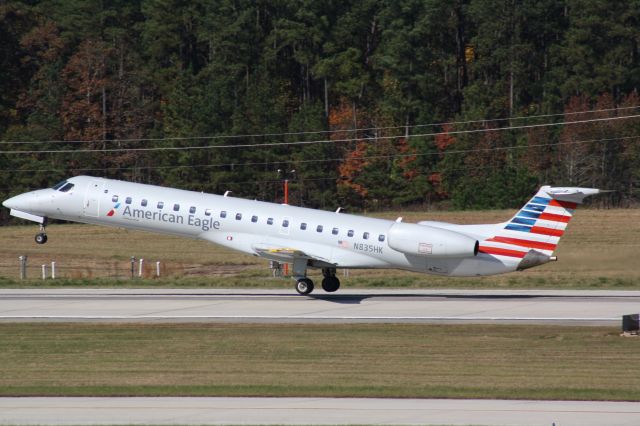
(534, 232)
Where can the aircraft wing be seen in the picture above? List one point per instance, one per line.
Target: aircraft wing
(288, 254)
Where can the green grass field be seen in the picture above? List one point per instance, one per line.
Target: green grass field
(599, 251)
(444, 361)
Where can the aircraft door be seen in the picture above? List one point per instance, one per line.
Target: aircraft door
(92, 198)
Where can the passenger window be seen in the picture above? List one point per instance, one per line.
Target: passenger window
(319, 228)
(270, 221)
(176, 207)
(223, 214)
(192, 210)
(254, 219)
(114, 199)
(67, 187)
(285, 223)
(350, 233)
(207, 212)
(128, 200)
(334, 231)
(303, 226)
(160, 204)
(238, 216)
(381, 238)
(365, 235)
(143, 203)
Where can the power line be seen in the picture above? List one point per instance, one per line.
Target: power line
(322, 141)
(364, 129)
(326, 160)
(339, 178)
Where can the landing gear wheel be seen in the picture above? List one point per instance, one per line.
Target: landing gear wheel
(330, 284)
(304, 286)
(41, 238)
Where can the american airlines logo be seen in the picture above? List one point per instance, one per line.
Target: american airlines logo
(113, 210)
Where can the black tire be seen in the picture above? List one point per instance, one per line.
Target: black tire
(41, 238)
(304, 286)
(330, 284)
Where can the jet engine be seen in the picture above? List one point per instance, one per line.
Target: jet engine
(422, 240)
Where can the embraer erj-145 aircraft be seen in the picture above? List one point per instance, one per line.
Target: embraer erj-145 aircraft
(309, 238)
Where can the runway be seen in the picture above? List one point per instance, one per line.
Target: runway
(286, 306)
(285, 411)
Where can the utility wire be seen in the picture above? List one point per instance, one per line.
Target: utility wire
(364, 129)
(326, 160)
(323, 141)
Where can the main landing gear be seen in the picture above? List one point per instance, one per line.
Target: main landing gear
(330, 282)
(41, 237)
(304, 286)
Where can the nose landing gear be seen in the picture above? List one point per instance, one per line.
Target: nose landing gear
(41, 237)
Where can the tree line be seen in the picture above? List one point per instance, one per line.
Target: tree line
(367, 104)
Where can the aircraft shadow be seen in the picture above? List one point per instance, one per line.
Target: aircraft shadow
(356, 299)
(346, 299)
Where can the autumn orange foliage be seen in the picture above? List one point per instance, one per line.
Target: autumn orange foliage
(342, 120)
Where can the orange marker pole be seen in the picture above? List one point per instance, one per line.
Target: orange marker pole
(286, 191)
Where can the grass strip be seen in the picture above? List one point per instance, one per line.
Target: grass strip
(384, 280)
(364, 360)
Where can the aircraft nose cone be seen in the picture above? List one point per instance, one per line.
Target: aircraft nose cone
(19, 202)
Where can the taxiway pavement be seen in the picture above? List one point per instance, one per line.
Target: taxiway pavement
(349, 305)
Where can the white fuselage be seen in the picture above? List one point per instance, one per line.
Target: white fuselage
(327, 239)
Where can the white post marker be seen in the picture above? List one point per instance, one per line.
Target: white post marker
(53, 270)
(44, 271)
(23, 267)
(158, 269)
(140, 268)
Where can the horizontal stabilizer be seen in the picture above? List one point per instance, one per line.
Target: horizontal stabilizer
(570, 194)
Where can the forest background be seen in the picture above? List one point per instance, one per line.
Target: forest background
(375, 104)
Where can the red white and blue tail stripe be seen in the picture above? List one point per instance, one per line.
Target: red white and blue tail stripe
(538, 226)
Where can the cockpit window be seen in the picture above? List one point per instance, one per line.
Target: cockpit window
(67, 187)
(59, 185)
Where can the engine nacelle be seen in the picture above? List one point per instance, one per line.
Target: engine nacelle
(422, 240)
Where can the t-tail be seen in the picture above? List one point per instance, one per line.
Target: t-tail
(532, 235)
